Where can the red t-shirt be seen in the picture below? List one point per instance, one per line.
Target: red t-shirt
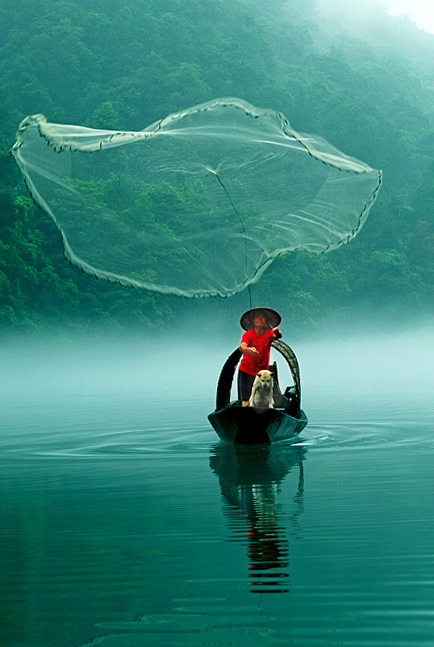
(252, 364)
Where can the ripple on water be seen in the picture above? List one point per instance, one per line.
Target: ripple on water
(194, 621)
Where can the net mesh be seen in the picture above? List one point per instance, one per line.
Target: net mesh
(197, 204)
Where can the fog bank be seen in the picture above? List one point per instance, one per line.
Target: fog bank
(170, 364)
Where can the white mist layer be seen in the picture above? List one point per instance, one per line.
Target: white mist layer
(171, 365)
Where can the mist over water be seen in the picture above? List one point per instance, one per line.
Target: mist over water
(114, 363)
(126, 522)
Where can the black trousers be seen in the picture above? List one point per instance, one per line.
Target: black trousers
(245, 383)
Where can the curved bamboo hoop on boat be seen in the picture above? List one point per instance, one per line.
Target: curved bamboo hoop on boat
(226, 377)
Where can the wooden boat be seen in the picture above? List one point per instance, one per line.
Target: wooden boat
(251, 425)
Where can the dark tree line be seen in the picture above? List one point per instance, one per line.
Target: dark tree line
(107, 64)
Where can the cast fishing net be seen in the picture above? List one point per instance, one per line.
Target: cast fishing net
(197, 204)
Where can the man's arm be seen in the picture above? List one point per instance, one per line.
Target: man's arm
(248, 350)
(276, 332)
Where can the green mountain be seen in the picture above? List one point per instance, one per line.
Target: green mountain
(344, 70)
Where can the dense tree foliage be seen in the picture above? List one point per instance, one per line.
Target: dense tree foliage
(362, 80)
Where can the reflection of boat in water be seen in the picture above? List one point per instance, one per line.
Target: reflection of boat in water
(249, 479)
(251, 425)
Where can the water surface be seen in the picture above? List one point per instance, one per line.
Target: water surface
(124, 521)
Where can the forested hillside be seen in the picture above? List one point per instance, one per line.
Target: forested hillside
(359, 78)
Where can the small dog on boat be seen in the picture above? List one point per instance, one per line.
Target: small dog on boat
(262, 391)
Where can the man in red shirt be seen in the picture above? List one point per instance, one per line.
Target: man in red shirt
(255, 346)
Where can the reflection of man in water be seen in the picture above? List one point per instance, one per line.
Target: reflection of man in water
(267, 545)
(261, 326)
(249, 477)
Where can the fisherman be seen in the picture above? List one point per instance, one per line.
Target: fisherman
(262, 327)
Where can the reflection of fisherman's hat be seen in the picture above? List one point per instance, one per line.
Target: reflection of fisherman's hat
(272, 317)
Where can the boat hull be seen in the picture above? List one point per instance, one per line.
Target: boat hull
(249, 425)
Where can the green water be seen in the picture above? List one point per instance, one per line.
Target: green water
(126, 523)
